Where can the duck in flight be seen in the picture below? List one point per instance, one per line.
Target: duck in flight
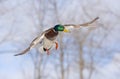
(48, 37)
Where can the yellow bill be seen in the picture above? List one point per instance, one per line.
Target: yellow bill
(66, 30)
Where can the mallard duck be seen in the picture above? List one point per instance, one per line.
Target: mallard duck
(48, 37)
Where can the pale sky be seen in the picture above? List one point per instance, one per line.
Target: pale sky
(17, 23)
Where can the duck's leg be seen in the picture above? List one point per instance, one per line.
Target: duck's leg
(47, 50)
(56, 45)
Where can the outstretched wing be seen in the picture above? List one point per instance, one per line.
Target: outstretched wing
(36, 41)
(70, 26)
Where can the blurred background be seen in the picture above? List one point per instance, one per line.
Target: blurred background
(87, 53)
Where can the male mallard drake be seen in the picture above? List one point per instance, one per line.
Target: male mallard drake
(48, 37)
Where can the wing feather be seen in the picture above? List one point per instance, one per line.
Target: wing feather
(71, 26)
(36, 41)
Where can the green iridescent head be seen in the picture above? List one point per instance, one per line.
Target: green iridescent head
(60, 27)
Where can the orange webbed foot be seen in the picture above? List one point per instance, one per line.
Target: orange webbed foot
(56, 45)
(48, 53)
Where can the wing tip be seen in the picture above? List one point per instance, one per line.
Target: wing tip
(15, 55)
(97, 18)
(25, 51)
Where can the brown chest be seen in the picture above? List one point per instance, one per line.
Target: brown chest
(51, 34)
